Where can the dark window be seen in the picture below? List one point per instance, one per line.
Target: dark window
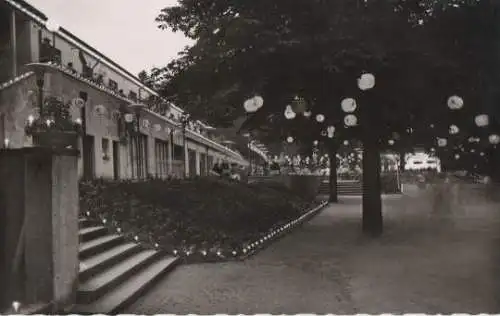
(87, 72)
(112, 85)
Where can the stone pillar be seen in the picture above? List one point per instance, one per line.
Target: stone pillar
(39, 230)
(198, 162)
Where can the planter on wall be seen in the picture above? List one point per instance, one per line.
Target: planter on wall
(56, 139)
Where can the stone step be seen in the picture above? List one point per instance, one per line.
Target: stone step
(98, 263)
(91, 232)
(105, 281)
(98, 245)
(128, 291)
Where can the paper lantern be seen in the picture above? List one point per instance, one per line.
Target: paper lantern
(442, 142)
(348, 105)
(307, 113)
(350, 120)
(289, 139)
(453, 129)
(366, 81)
(455, 102)
(494, 139)
(482, 120)
(320, 118)
(289, 113)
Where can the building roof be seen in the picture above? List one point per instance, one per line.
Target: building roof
(41, 18)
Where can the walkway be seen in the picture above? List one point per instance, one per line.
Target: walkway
(420, 265)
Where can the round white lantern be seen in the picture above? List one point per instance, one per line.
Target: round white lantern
(457, 156)
(494, 139)
(442, 142)
(307, 113)
(78, 121)
(472, 150)
(350, 120)
(346, 142)
(320, 118)
(258, 101)
(481, 154)
(289, 113)
(453, 129)
(330, 135)
(315, 143)
(129, 118)
(366, 81)
(331, 129)
(253, 104)
(391, 142)
(289, 139)
(348, 105)
(432, 149)
(455, 102)
(482, 120)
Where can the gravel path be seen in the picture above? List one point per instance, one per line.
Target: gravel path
(424, 263)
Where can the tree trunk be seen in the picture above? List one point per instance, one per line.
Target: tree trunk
(332, 178)
(402, 161)
(372, 202)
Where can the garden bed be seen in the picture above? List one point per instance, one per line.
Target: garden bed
(209, 218)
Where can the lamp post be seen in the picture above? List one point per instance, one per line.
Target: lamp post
(184, 123)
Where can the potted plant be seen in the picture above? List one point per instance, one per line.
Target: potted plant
(54, 126)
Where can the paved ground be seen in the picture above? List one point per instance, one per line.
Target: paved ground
(425, 262)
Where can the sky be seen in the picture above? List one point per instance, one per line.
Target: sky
(123, 30)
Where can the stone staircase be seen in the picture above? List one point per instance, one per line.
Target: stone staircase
(344, 188)
(114, 272)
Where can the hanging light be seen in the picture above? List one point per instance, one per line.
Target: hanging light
(366, 81)
(481, 154)
(494, 139)
(346, 142)
(307, 113)
(457, 156)
(253, 104)
(324, 133)
(482, 120)
(289, 113)
(455, 102)
(348, 105)
(129, 118)
(320, 118)
(453, 129)
(442, 142)
(289, 139)
(350, 120)
(315, 143)
(391, 142)
(433, 149)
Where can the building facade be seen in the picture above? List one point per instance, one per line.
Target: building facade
(36, 59)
